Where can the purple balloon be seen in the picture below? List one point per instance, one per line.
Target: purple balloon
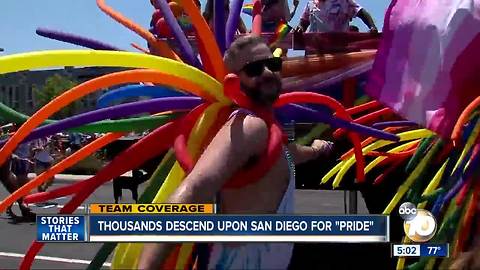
(326, 79)
(406, 123)
(183, 44)
(233, 21)
(147, 106)
(300, 113)
(219, 18)
(77, 40)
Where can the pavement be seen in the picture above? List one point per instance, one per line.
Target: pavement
(16, 238)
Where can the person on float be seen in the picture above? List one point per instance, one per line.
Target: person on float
(333, 16)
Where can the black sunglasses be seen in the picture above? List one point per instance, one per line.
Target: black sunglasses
(255, 69)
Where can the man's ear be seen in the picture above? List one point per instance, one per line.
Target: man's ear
(229, 65)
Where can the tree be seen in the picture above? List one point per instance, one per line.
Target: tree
(54, 86)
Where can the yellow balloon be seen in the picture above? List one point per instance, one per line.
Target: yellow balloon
(33, 60)
(278, 52)
(435, 182)
(332, 172)
(121, 248)
(404, 136)
(128, 254)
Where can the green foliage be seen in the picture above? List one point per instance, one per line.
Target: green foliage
(54, 86)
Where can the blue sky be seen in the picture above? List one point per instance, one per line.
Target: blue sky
(20, 19)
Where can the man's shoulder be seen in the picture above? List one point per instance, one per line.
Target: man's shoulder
(253, 129)
(249, 122)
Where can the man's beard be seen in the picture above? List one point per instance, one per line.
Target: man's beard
(265, 92)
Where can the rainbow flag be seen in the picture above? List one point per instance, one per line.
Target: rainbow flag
(185, 23)
(248, 9)
(280, 33)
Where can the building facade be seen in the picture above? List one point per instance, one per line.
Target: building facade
(17, 89)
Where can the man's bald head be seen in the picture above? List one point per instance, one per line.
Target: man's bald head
(245, 50)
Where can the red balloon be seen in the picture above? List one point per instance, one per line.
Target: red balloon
(315, 98)
(182, 154)
(270, 155)
(145, 149)
(76, 187)
(162, 29)
(232, 90)
(268, 159)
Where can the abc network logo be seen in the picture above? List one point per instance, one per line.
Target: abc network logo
(419, 224)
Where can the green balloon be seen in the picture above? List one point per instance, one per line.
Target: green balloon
(11, 115)
(316, 132)
(122, 125)
(420, 153)
(126, 125)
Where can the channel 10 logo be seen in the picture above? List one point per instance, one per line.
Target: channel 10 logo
(419, 224)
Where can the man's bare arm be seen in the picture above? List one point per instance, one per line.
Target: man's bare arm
(241, 138)
(367, 19)
(302, 154)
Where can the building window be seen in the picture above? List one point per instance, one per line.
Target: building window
(29, 101)
(10, 95)
(16, 95)
(30, 92)
(3, 94)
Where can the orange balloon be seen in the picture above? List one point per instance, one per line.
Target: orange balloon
(81, 90)
(140, 48)
(206, 38)
(160, 47)
(463, 119)
(177, 10)
(59, 167)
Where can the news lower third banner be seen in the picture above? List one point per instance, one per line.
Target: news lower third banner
(59, 228)
(213, 228)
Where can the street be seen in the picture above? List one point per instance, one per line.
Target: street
(16, 238)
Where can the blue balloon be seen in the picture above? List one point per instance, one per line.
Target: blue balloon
(136, 91)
